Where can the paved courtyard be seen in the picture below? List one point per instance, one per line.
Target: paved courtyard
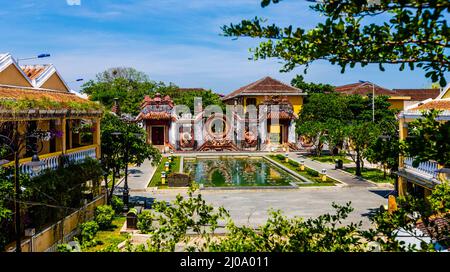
(250, 206)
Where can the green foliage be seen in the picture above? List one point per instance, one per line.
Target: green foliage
(408, 33)
(47, 104)
(428, 139)
(174, 221)
(118, 150)
(312, 172)
(310, 88)
(6, 191)
(117, 204)
(63, 248)
(145, 220)
(88, 231)
(131, 86)
(104, 216)
(361, 136)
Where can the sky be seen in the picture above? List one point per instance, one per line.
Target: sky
(177, 41)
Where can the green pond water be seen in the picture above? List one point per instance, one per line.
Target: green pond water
(236, 172)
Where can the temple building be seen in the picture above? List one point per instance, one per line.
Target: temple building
(36, 101)
(259, 117)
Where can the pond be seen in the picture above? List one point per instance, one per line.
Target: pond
(237, 172)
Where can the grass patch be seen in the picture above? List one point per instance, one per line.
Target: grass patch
(309, 173)
(109, 238)
(173, 168)
(374, 175)
(329, 159)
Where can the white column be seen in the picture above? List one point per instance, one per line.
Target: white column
(291, 132)
(198, 131)
(172, 133)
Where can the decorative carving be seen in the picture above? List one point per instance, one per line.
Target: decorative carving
(250, 139)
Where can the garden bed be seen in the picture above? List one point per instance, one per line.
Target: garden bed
(329, 159)
(374, 175)
(109, 238)
(173, 168)
(309, 173)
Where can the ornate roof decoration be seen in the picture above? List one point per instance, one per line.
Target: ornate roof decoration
(158, 108)
(285, 108)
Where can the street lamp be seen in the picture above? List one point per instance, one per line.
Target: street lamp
(16, 146)
(373, 98)
(126, 191)
(40, 56)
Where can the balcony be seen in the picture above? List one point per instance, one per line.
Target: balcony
(52, 161)
(424, 169)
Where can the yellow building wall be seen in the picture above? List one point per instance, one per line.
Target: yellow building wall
(296, 101)
(396, 104)
(447, 94)
(12, 76)
(45, 126)
(55, 83)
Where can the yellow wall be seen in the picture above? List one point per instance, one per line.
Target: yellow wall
(296, 101)
(396, 104)
(54, 83)
(47, 238)
(447, 94)
(12, 76)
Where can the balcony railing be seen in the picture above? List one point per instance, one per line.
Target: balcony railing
(427, 169)
(51, 161)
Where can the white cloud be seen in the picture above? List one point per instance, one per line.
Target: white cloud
(73, 2)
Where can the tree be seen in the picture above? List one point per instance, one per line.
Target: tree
(323, 107)
(314, 131)
(114, 148)
(131, 86)
(130, 93)
(361, 135)
(299, 82)
(127, 73)
(6, 192)
(409, 33)
(337, 132)
(428, 139)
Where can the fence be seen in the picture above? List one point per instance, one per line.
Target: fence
(61, 231)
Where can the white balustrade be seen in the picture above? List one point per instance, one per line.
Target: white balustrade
(80, 156)
(52, 162)
(427, 168)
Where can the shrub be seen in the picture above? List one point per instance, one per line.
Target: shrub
(117, 204)
(104, 216)
(145, 220)
(280, 157)
(312, 172)
(88, 232)
(293, 163)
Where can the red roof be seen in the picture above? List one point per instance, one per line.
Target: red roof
(363, 88)
(265, 86)
(418, 94)
(439, 104)
(33, 71)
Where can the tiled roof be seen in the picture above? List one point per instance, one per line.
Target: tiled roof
(418, 94)
(265, 86)
(16, 93)
(33, 71)
(155, 116)
(363, 89)
(439, 104)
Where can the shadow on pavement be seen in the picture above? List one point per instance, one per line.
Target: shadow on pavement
(383, 193)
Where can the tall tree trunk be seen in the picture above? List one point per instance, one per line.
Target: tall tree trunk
(358, 163)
